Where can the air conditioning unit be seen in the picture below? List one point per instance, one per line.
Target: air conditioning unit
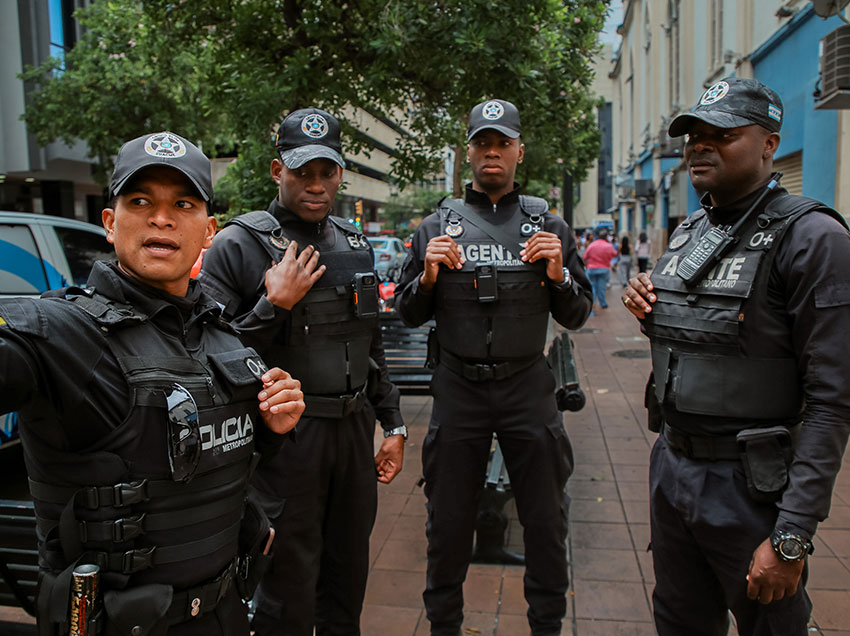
(835, 70)
(643, 188)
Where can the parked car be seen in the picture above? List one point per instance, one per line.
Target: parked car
(389, 256)
(39, 252)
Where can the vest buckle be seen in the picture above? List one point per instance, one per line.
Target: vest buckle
(137, 560)
(127, 494)
(126, 529)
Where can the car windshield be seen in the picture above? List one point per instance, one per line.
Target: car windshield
(379, 243)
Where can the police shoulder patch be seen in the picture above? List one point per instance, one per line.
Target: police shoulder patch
(680, 240)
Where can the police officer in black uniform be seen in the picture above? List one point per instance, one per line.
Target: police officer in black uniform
(491, 287)
(300, 285)
(750, 361)
(139, 411)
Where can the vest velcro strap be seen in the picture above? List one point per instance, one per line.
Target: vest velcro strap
(133, 561)
(480, 372)
(126, 494)
(334, 407)
(200, 599)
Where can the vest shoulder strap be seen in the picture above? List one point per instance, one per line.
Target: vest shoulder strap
(533, 206)
(795, 206)
(258, 220)
(345, 226)
(105, 311)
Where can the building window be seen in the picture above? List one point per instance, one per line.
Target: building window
(716, 34)
(62, 27)
(673, 54)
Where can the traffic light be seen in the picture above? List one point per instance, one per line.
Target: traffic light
(358, 213)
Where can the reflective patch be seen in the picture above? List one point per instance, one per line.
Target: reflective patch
(492, 111)
(165, 146)
(679, 241)
(314, 126)
(2, 322)
(714, 94)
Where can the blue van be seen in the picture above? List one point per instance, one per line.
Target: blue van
(39, 252)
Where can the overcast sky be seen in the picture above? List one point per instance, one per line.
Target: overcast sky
(615, 17)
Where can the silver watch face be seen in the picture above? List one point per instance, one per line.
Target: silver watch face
(791, 549)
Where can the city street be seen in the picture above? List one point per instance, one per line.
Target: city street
(611, 571)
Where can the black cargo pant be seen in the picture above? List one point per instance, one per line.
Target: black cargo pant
(521, 410)
(705, 528)
(322, 499)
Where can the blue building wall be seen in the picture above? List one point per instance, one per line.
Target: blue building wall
(789, 62)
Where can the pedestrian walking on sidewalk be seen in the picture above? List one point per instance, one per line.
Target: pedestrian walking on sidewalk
(642, 252)
(747, 314)
(597, 261)
(624, 265)
(491, 269)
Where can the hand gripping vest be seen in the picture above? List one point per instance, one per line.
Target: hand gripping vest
(116, 504)
(514, 326)
(698, 362)
(326, 345)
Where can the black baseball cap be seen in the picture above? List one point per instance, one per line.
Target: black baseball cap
(496, 114)
(162, 149)
(308, 134)
(730, 103)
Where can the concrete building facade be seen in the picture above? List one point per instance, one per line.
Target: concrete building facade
(670, 52)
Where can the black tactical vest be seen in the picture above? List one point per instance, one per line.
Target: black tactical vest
(326, 346)
(116, 504)
(514, 326)
(699, 364)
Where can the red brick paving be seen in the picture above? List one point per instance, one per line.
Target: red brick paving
(611, 572)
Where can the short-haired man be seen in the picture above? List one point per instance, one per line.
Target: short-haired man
(491, 287)
(139, 411)
(747, 314)
(300, 285)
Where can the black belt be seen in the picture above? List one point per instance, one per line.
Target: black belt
(480, 372)
(722, 447)
(201, 599)
(334, 407)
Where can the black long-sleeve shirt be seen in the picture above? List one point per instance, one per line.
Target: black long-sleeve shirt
(810, 285)
(56, 363)
(234, 271)
(570, 304)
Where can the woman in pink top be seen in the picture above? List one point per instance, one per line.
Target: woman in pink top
(597, 264)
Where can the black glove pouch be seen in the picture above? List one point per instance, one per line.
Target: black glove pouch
(253, 538)
(766, 455)
(142, 606)
(654, 418)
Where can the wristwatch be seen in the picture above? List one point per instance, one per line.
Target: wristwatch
(790, 547)
(567, 279)
(398, 430)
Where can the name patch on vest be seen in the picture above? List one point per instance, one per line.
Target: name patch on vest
(725, 275)
(357, 242)
(228, 435)
(474, 253)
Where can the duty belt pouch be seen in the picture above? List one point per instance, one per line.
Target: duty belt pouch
(653, 407)
(433, 355)
(766, 455)
(253, 536)
(138, 610)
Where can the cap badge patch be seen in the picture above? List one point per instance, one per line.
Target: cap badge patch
(774, 112)
(492, 111)
(164, 146)
(679, 241)
(714, 94)
(314, 126)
